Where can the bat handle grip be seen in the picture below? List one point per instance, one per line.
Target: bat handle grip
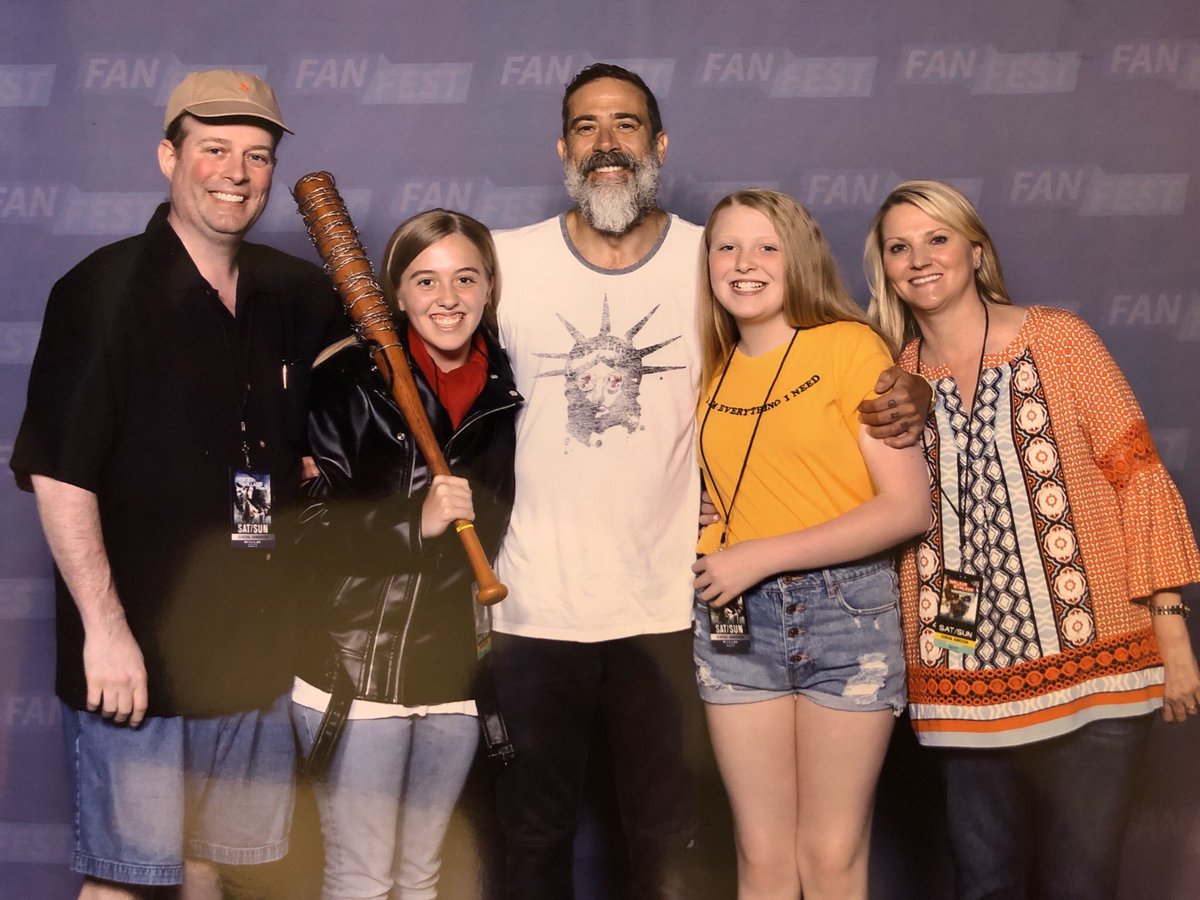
(490, 589)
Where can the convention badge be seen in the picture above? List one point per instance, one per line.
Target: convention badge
(727, 625)
(957, 620)
(250, 514)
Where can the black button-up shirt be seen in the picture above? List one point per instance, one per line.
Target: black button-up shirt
(140, 384)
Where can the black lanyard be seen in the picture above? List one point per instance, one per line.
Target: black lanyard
(726, 512)
(241, 393)
(964, 469)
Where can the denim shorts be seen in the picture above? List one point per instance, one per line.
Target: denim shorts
(832, 635)
(175, 788)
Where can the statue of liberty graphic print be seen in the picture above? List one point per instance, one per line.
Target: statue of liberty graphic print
(603, 377)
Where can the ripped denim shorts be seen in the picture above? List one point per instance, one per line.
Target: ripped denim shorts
(832, 635)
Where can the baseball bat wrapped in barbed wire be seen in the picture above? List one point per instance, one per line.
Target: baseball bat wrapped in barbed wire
(336, 240)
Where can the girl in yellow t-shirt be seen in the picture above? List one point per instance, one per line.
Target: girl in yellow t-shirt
(798, 646)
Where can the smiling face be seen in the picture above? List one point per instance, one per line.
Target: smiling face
(220, 179)
(930, 265)
(444, 291)
(610, 160)
(747, 270)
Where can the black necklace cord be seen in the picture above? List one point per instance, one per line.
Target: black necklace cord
(727, 512)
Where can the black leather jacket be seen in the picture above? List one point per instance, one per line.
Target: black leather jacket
(396, 621)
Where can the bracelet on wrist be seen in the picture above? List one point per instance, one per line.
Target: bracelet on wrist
(1171, 609)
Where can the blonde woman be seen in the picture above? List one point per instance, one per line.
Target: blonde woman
(1042, 615)
(800, 714)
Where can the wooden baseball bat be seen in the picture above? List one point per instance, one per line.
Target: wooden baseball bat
(336, 240)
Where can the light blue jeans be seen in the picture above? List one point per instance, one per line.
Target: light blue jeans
(385, 800)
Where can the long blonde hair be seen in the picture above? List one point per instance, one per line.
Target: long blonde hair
(947, 205)
(814, 293)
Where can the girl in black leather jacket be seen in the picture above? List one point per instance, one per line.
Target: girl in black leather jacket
(383, 702)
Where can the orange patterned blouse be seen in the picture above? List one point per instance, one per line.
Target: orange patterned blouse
(1051, 492)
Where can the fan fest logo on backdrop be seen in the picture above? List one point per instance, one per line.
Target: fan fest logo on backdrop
(780, 73)
(105, 212)
(154, 75)
(377, 81)
(540, 70)
(497, 206)
(26, 709)
(986, 70)
(26, 599)
(1175, 311)
(371, 77)
(1090, 191)
(862, 189)
(26, 85)
(1175, 62)
(66, 209)
(834, 189)
(553, 71)
(26, 202)
(989, 71)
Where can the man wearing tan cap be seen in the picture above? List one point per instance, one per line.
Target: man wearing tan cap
(170, 377)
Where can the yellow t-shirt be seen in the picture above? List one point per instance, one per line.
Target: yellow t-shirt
(805, 466)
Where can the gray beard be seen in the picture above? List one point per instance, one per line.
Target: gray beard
(615, 208)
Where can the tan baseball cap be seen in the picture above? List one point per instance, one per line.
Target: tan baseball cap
(223, 92)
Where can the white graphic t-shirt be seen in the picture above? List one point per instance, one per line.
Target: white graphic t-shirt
(603, 532)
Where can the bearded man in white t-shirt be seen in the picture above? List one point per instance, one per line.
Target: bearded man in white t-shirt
(599, 318)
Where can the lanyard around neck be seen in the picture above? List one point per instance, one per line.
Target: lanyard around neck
(243, 333)
(727, 511)
(965, 467)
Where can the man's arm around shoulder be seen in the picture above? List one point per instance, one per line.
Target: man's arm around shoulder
(112, 659)
(897, 415)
